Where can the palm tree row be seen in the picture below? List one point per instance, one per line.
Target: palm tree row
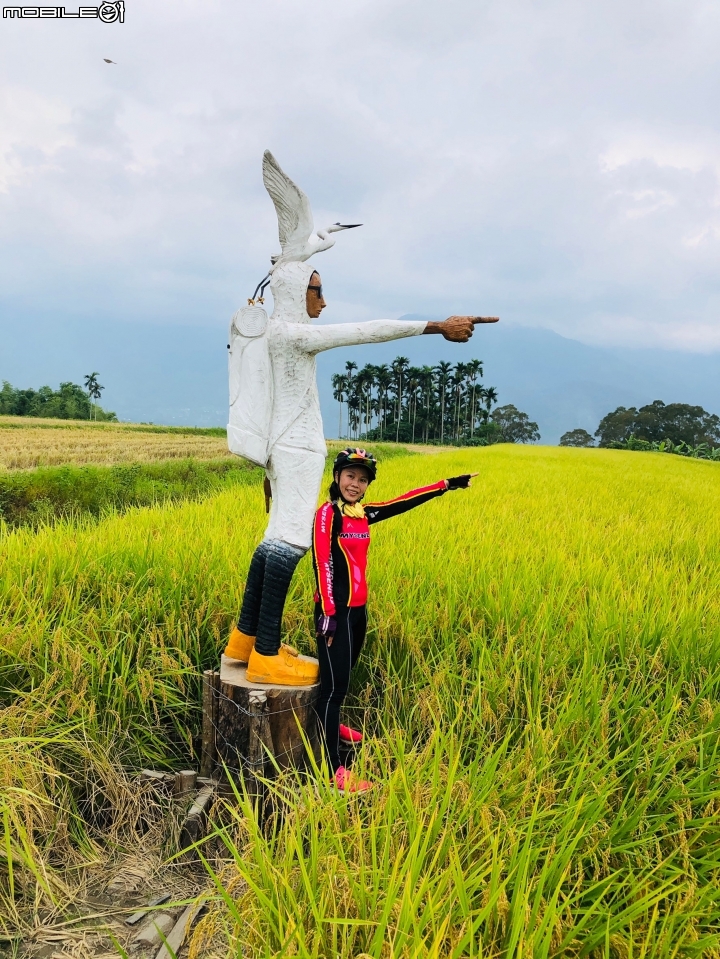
(443, 403)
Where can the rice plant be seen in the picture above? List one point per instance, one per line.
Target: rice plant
(540, 694)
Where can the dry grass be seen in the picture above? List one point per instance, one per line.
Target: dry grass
(27, 443)
(34, 446)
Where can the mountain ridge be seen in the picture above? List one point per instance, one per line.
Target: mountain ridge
(178, 374)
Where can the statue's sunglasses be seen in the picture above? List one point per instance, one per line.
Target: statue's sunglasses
(318, 290)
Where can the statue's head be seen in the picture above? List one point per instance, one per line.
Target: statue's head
(297, 292)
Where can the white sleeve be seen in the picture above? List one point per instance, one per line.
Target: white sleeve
(315, 339)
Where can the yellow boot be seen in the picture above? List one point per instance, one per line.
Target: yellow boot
(285, 669)
(239, 646)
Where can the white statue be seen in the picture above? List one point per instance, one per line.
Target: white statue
(275, 419)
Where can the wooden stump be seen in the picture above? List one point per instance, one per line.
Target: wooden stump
(255, 722)
(210, 687)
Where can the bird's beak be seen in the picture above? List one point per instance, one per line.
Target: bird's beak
(345, 226)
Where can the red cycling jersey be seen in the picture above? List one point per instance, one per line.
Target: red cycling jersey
(340, 546)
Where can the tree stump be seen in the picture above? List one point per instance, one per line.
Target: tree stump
(258, 725)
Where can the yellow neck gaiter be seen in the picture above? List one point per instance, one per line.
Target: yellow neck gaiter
(353, 510)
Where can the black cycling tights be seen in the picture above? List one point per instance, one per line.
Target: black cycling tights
(336, 663)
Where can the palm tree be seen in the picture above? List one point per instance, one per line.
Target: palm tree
(475, 371)
(442, 372)
(371, 382)
(363, 383)
(340, 389)
(399, 366)
(383, 378)
(413, 385)
(457, 382)
(94, 389)
(490, 396)
(354, 405)
(350, 368)
(427, 376)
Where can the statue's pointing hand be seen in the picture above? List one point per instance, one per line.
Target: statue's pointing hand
(458, 329)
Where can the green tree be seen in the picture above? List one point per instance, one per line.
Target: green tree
(657, 421)
(577, 437)
(516, 427)
(69, 402)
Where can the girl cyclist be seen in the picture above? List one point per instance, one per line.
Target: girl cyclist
(341, 537)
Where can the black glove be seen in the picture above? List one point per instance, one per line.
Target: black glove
(459, 482)
(326, 627)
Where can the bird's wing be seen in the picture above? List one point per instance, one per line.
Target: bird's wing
(295, 221)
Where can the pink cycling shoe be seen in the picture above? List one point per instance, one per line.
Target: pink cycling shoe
(346, 782)
(348, 735)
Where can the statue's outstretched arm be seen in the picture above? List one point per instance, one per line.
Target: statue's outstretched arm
(315, 339)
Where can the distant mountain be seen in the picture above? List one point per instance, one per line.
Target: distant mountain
(178, 374)
(160, 373)
(560, 383)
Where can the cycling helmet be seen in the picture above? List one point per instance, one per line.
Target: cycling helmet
(353, 456)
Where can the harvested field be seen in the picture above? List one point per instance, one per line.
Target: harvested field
(27, 443)
(31, 446)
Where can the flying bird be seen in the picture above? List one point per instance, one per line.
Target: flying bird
(298, 238)
(109, 61)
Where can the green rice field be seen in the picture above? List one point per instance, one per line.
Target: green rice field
(540, 694)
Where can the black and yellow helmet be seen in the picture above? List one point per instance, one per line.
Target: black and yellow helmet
(353, 456)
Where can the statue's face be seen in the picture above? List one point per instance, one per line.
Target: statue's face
(314, 302)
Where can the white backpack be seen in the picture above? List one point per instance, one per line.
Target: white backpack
(251, 385)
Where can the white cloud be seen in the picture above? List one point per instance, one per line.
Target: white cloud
(687, 334)
(34, 128)
(673, 153)
(558, 164)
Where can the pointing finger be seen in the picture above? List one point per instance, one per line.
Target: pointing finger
(485, 319)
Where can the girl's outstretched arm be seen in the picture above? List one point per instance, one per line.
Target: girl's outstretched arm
(377, 512)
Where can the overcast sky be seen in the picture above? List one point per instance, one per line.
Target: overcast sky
(556, 163)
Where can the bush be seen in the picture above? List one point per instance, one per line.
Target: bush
(38, 496)
(701, 451)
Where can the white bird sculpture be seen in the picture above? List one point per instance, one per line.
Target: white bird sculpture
(295, 220)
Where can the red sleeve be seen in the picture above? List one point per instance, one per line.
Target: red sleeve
(377, 512)
(322, 542)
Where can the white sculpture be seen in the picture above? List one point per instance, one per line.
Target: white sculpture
(275, 418)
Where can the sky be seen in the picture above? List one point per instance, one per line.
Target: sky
(553, 163)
